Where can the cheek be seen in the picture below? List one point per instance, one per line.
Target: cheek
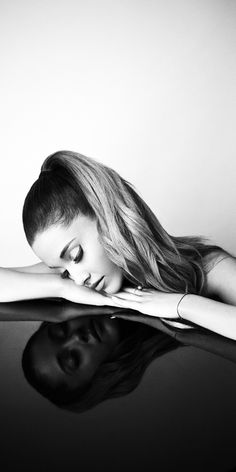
(93, 361)
(112, 329)
(104, 264)
(102, 258)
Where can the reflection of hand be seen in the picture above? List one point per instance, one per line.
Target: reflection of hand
(81, 294)
(67, 311)
(136, 316)
(52, 310)
(149, 302)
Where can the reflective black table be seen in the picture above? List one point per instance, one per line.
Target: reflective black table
(180, 417)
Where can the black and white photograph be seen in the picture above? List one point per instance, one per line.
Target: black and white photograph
(118, 235)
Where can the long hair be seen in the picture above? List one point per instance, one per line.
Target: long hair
(118, 376)
(71, 184)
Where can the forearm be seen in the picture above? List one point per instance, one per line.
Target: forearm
(39, 268)
(210, 314)
(33, 310)
(23, 286)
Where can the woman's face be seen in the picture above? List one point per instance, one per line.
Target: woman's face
(71, 352)
(77, 250)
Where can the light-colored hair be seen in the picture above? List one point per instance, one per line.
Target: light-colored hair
(71, 184)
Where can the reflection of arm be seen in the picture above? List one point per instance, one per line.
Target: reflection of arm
(25, 286)
(31, 310)
(208, 341)
(50, 310)
(177, 324)
(197, 337)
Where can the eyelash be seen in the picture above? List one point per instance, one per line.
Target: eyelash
(76, 260)
(79, 256)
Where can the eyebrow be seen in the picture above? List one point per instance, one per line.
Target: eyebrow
(63, 253)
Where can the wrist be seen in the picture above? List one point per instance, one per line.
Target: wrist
(64, 287)
(172, 305)
(59, 286)
(184, 306)
(178, 306)
(51, 286)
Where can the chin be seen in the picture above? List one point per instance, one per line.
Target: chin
(115, 285)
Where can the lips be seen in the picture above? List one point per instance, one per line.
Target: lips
(94, 286)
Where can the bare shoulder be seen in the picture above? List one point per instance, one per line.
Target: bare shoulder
(212, 259)
(221, 276)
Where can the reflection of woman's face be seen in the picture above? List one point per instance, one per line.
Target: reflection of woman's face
(71, 352)
(76, 248)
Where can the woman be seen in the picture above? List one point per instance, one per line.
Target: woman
(79, 363)
(97, 240)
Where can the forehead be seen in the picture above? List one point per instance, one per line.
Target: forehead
(53, 239)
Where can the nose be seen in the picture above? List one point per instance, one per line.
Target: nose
(80, 278)
(69, 332)
(80, 337)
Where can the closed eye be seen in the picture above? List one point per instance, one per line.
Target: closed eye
(78, 256)
(57, 331)
(76, 260)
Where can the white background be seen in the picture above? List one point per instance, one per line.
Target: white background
(145, 86)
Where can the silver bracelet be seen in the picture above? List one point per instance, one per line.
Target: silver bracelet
(177, 308)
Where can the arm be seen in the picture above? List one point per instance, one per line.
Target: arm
(25, 286)
(219, 317)
(17, 286)
(29, 282)
(210, 314)
(39, 268)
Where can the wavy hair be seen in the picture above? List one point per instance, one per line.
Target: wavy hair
(71, 184)
(118, 376)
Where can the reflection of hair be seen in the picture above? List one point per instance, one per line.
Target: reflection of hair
(117, 376)
(72, 184)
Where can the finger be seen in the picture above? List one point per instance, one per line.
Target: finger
(127, 296)
(125, 303)
(132, 290)
(110, 301)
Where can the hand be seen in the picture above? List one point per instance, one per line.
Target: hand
(81, 294)
(149, 302)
